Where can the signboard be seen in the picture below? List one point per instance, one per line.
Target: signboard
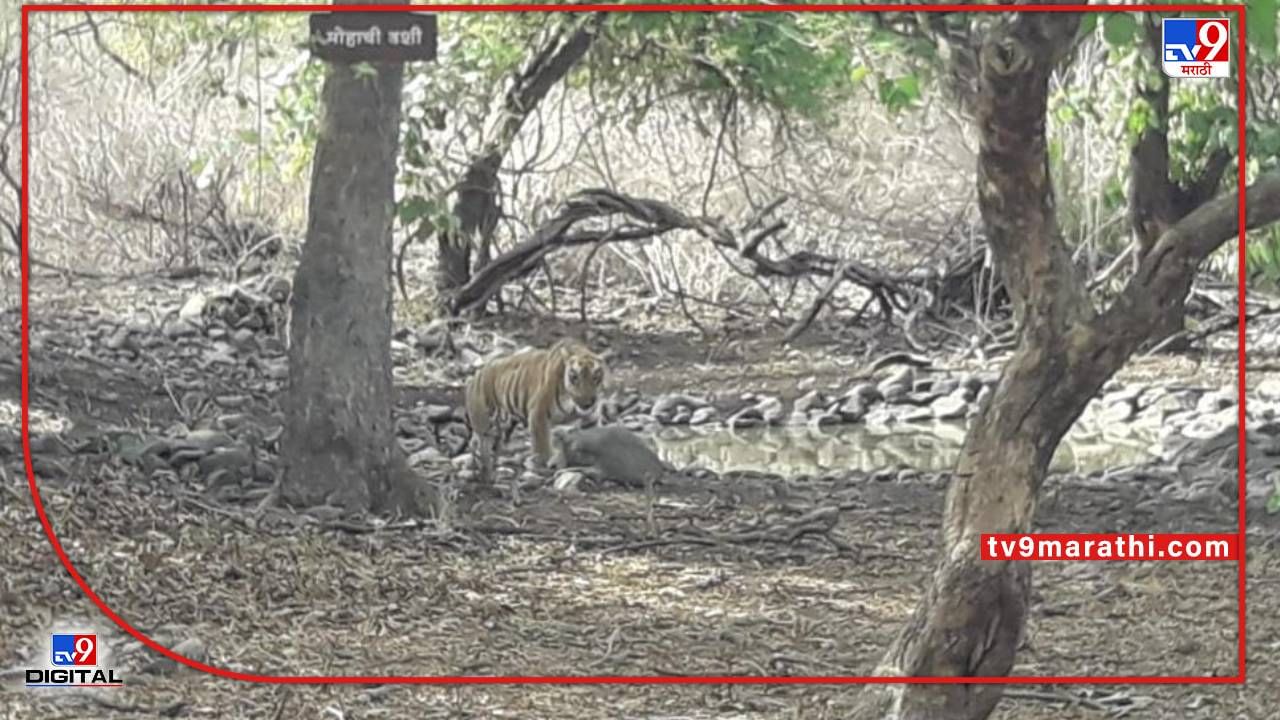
(352, 37)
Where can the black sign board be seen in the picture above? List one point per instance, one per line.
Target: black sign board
(353, 37)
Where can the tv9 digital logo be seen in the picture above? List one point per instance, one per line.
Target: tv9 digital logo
(73, 663)
(74, 650)
(1196, 47)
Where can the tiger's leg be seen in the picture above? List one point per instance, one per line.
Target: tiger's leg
(482, 437)
(540, 432)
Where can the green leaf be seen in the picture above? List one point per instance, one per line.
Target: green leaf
(1119, 28)
(1273, 502)
(248, 137)
(1262, 27)
(1088, 24)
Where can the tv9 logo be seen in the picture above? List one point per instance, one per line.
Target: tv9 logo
(74, 650)
(1196, 47)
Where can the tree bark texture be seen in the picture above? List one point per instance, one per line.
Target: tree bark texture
(972, 616)
(339, 445)
(477, 209)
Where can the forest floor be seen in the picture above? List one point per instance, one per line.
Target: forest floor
(745, 573)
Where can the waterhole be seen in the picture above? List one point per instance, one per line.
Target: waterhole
(814, 451)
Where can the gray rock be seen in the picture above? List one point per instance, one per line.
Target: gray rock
(770, 410)
(983, 396)
(915, 414)
(193, 309)
(920, 398)
(898, 384)
(568, 480)
(1119, 412)
(946, 386)
(180, 329)
(1215, 401)
(950, 407)
(865, 393)
(880, 416)
(440, 413)
(205, 441)
(702, 416)
(852, 410)
(118, 340)
(807, 401)
(426, 456)
(235, 460)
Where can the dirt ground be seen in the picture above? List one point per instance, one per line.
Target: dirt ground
(747, 574)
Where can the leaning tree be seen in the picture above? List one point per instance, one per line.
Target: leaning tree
(973, 613)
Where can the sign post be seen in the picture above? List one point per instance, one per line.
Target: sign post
(352, 37)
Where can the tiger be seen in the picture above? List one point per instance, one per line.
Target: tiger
(535, 387)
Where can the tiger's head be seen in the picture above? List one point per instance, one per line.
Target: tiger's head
(584, 373)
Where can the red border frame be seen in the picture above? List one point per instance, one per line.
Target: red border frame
(1237, 10)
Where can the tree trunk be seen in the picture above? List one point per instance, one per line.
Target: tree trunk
(477, 210)
(338, 445)
(973, 613)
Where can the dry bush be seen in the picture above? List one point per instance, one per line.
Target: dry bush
(129, 168)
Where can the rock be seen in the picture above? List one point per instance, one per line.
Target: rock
(1129, 394)
(243, 338)
(852, 410)
(983, 396)
(568, 480)
(1267, 387)
(1168, 404)
(667, 405)
(193, 309)
(946, 386)
(234, 460)
(880, 417)
(276, 369)
(898, 384)
(950, 407)
(1208, 426)
(180, 329)
(806, 384)
(746, 417)
(920, 398)
(702, 415)
(119, 339)
(1119, 412)
(824, 417)
(190, 648)
(770, 410)
(425, 456)
(803, 403)
(1215, 401)
(866, 393)
(915, 414)
(439, 413)
(205, 441)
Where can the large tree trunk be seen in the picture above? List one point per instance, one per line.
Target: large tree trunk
(476, 211)
(1156, 200)
(973, 614)
(338, 444)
